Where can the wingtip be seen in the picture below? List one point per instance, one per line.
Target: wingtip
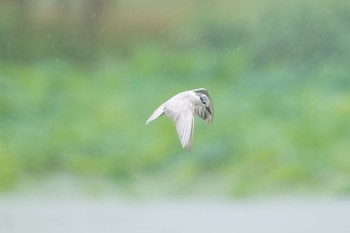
(187, 147)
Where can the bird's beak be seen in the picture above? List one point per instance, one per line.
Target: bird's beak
(208, 110)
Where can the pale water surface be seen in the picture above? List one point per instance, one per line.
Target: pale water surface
(190, 215)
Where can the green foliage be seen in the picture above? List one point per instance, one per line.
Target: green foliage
(273, 130)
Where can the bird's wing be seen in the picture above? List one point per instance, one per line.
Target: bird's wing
(157, 113)
(204, 113)
(183, 118)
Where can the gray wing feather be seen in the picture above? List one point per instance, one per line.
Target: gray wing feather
(184, 125)
(201, 112)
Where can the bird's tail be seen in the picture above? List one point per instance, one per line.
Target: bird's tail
(157, 113)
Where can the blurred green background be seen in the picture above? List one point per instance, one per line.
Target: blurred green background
(79, 78)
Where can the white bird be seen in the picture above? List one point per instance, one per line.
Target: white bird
(181, 109)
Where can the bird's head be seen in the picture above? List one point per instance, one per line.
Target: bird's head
(205, 100)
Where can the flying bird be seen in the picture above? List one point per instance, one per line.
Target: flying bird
(181, 108)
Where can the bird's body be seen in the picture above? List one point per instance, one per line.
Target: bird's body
(181, 109)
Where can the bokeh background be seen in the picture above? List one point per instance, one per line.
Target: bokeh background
(79, 78)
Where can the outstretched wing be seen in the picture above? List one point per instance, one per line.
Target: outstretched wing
(183, 118)
(157, 113)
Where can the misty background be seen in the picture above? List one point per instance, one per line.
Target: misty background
(79, 78)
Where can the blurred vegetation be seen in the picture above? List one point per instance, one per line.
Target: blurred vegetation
(78, 79)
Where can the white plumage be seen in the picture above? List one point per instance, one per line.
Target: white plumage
(181, 109)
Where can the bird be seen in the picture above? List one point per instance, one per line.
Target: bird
(181, 109)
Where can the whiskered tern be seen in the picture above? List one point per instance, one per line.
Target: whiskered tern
(181, 109)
